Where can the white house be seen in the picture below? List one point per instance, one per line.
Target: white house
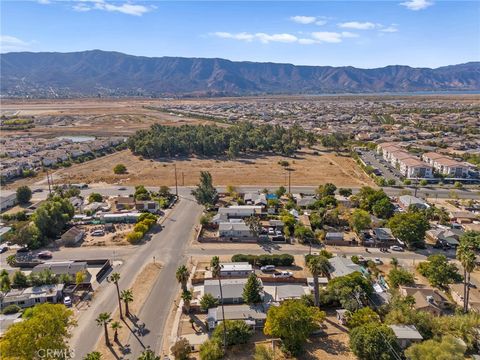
(7, 199)
(240, 211)
(234, 230)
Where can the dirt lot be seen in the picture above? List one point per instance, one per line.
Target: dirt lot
(309, 169)
(118, 237)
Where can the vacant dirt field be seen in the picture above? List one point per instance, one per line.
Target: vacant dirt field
(308, 169)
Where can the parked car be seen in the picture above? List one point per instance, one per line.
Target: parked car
(283, 274)
(3, 249)
(396, 248)
(267, 268)
(271, 231)
(37, 190)
(98, 233)
(122, 188)
(44, 255)
(278, 232)
(67, 301)
(378, 261)
(23, 250)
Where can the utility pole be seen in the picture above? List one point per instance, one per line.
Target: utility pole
(289, 181)
(183, 178)
(48, 181)
(176, 183)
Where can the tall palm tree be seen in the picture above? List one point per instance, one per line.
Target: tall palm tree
(115, 277)
(115, 326)
(187, 298)
(318, 265)
(182, 276)
(127, 297)
(467, 258)
(103, 319)
(215, 267)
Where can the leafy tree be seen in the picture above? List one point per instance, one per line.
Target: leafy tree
(95, 197)
(345, 192)
(383, 208)
(254, 224)
(211, 350)
(318, 266)
(102, 320)
(120, 169)
(293, 322)
(368, 197)
(334, 140)
(288, 220)
(164, 191)
(134, 237)
(362, 317)
(303, 233)
(252, 290)
(423, 182)
(5, 283)
(280, 191)
(397, 277)
(181, 349)
(94, 355)
(449, 348)
(24, 194)
(28, 235)
(238, 332)
(373, 341)
(360, 220)
(439, 271)
(46, 327)
(80, 277)
(19, 280)
(327, 189)
(148, 354)
(52, 216)
(410, 228)
(127, 297)
(182, 274)
(349, 290)
(205, 193)
(207, 302)
(115, 278)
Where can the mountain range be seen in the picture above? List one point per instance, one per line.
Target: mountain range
(102, 73)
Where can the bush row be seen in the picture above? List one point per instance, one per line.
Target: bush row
(144, 223)
(261, 260)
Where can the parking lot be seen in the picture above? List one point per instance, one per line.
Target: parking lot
(372, 159)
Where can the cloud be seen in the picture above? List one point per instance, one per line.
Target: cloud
(320, 22)
(303, 19)
(417, 4)
(390, 29)
(348, 34)
(125, 8)
(12, 43)
(44, 2)
(327, 36)
(262, 37)
(358, 25)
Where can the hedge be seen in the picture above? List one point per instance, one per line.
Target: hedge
(11, 309)
(261, 260)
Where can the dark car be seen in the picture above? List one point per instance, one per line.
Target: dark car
(23, 250)
(3, 249)
(45, 255)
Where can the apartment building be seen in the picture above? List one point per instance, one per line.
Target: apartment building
(445, 165)
(408, 165)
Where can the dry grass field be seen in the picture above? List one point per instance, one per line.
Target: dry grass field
(308, 169)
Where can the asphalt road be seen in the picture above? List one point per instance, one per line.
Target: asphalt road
(168, 248)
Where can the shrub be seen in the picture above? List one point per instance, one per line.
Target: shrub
(207, 302)
(120, 169)
(211, 350)
(238, 332)
(141, 228)
(181, 349)
(147, 215)
(134, 237)
(11, 309)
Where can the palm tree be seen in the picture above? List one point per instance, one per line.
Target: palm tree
(103, 319)
(467, 258)
(215, 267)
(148, 355)
(127, 297)
(115, 277)
(187, 298)
(394, 262)
(318, 265)
(115, 326)
(182, 276)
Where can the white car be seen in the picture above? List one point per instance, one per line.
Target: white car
(396, 248)
(67, 301)
(283, 274)
(378, 261)
(278, 232)
(98, 233)
(268, 268)
(271, 231)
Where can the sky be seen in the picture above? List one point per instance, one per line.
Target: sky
(366, 34)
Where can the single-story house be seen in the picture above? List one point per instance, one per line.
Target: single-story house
(336, 238)
(72, 236)
(240, 211)
(343, 200)
(147, 205)
(406, 335)
(456, 290)
(322, 282)
(281, 292)
(277, 224)
(341, 266)
(235, 269)
(426, 298)
(463, 217)
(234, 230)
(408, 200)
(384, 236)
(255, 199)
(126, 217)
(195, 340)
(232, 290)
(306, 201)
(7, 199)
(32, 296)
(69, 267)
(124, 202)
(444, 237)
(253, 315)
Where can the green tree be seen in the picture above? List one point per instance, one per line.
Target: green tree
(394, 262)
(28, 235)
(252, 290)
(127, 297)
(52, 216)
(254, 224)
(148, 354)
(115, 325)
(211, 350)
(238, 332)
(302, 233)
(383, 208)
(467, 257)
(19, 280)
(293, 322)
(397, 277)
(362, 317)
(360, 220)
(46, 327)
(5, 283)
(318, 266)
(327, 189)
(349, 290)
(423, 182)
(115, 278)
(410, 228)
(187, 297)
(205, 193)
(24, 194)
(280, 191)
(449, 348)
(208, 301)
(439, 271)
(80, 277)
(95, 197)
(119, 169)
(181, 349)
(102, 320)
(182, 274)
(94, 355)
(345, 192)
(373, 341)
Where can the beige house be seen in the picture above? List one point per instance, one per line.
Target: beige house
(426, 298)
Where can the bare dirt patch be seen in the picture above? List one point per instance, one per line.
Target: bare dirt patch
(309, 169)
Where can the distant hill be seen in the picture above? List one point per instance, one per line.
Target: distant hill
(92, 73)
